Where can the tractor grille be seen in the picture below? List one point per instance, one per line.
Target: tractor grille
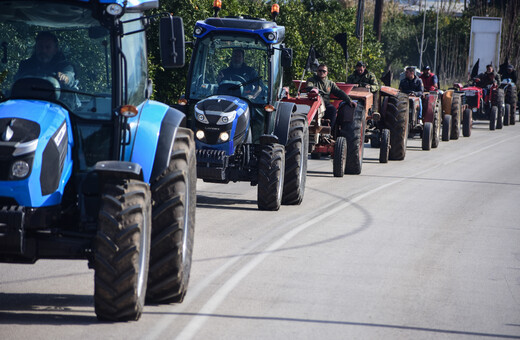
(472, 100)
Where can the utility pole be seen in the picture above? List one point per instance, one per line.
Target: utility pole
(422, 38)
(378, 18)
(436, 39)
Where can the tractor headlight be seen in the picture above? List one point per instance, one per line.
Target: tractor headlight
(114, 9)
(224, 137)
(200, 116)
(200, 135)
(198, 30)
(227, 117)
(474, 109)
(20, 169)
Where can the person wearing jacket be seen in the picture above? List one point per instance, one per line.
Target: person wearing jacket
(362, 77)
(321, 84)
(412, 85)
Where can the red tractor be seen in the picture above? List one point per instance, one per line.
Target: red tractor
(485, 103)
(344, 143)
(429, 127)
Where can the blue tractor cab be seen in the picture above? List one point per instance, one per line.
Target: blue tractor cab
(243, 130)
(91, 168)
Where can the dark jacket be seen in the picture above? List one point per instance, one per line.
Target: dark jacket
(510, 75)
(33, 67)
(326, 87)
(485, 80)
(412, 86)
(366, 78)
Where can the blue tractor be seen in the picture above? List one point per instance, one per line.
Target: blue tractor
(243, 130)
(91, 168)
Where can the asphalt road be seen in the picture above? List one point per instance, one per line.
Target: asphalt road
(425, 248)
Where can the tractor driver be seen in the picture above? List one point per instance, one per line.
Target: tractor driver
(47, 61)
(488, 78)
(239, 70)
(429, 79)
(362, 77)
(321, 84)
(412, 85)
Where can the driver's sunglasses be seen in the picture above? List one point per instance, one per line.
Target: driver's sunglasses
(322, 71)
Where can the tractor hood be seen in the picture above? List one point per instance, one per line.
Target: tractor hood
(33, 152)
(223, 122)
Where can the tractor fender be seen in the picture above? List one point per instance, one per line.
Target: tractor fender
(429, 105)
(284, 111)
(152, 134)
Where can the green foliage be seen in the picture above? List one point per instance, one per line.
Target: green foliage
(307, 22)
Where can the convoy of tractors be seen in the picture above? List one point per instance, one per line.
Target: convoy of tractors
(98, 171)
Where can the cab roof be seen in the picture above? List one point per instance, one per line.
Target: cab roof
(269, 31)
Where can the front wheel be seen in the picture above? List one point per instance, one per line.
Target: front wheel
(122, 250)
(493, 117)
(271, 169)
(296, 157)
(354, 132)
(173, 221)
(427, 136)
(436, 125)
(384, 148)
(446, 128)
(507, 114)
(340, 156)
(466, 122)
(455, 116)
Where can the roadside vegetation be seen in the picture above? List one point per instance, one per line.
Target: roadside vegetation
(316, 22)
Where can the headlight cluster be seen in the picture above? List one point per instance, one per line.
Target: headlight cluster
(21, 167)
(200, 116)
(227, 117)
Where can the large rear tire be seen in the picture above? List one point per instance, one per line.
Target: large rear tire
(466, 122)
(427, 136)
(173, 221)
(296, 155)
(384, 148)
(122, 250)
(354, 132)
(456, 115)
(271, 169)
(396, 120)
(340, 157)
(446, 128)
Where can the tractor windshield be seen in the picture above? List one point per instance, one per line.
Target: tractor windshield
(55, 51)
(235, 65)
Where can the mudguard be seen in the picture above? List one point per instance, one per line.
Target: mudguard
(51, 153)
(429, 105)
(152, 133)
(283, 121)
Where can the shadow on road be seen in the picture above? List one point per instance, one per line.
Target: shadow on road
(224, 203)
(350, 323)
(48, 309)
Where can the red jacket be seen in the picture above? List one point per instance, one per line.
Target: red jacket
(429, 82)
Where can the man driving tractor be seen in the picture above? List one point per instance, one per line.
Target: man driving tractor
(321, 84)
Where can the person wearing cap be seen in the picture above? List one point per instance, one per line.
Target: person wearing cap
(429, 79)
(321, 84)
(510, 73)
(362, 77)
